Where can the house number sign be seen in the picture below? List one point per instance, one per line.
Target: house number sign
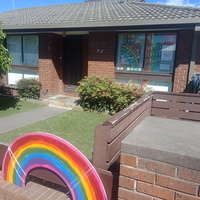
(99, 50)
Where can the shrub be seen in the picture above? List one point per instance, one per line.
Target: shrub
(103, 93)
(29, 88)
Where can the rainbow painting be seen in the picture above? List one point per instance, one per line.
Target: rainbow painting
(43, 150)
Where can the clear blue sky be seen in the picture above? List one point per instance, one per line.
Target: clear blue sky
(6, 5)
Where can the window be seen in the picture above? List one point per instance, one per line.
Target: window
(23, 49)
(160, 52)
(130, 52)
(150, 52)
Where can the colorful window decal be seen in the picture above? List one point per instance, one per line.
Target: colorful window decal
(130, 52)
(43, 150)
(151, 52)
(160, 52)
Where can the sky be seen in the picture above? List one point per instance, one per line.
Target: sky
(6, 5)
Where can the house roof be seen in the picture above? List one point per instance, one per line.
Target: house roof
(98, 14)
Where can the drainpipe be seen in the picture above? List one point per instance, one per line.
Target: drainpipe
(194, 51)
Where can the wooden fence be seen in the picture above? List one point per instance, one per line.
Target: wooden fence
(176, 105)
(108, 136)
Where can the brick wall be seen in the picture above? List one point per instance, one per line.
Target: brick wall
(183, 56)
(101, 58)
(50, 64)
(197, 63)
(145, 179)
(4, 80)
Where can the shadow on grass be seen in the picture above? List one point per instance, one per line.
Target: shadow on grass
(7, 102)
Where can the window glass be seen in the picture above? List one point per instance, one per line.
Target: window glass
(148, 52)
(23, 49)
(130, 52)
(14, 45)
(30, 47)
(160, 52)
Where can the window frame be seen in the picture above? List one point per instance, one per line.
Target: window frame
(144, 74)
(22, 51)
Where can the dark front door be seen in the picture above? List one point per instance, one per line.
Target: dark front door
(73, 54)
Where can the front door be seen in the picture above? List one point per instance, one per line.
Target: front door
(73, 55)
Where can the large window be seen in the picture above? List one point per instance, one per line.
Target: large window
(147, 52)
(23, 49)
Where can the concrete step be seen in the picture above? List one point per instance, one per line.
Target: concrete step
(63, 101)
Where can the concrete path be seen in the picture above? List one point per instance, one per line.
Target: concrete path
(29, 117)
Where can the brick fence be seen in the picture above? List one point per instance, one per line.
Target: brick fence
(161, 163)
(32, 191)
(146, 179)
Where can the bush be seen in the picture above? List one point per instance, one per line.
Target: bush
(103, 93)
(29, 88)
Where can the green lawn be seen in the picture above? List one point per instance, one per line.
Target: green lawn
(77, 127)
(10, 106)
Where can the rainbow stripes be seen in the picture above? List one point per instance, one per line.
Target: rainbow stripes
(44, 150)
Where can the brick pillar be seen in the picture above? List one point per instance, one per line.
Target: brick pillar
(183, 57)
(101, 56)
(197, 60)
(50, 64)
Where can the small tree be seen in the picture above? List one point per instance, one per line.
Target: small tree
(5, 58)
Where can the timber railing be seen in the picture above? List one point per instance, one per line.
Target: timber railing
(108, 136)
(180, 106)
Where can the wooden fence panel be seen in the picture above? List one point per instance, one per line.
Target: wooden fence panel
(3, 149)
(184, 115)
(176, 105)
(108, 136)
(115, 146)
(120, 127)
(176, 97)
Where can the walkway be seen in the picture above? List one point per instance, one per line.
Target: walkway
(29, 117)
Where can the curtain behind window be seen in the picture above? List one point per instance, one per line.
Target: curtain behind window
(14, 45)
(30, 47)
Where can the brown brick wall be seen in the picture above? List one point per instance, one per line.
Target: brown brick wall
(102, 63)
(146, 179)
(50, 64)
(4, 80)
(183, 56)
(197, 67)
(32, 191)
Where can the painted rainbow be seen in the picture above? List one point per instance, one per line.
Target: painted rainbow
(43, 150)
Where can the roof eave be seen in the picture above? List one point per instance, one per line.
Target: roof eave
(191, 22)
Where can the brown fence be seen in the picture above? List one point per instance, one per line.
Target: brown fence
(176, 105)
(108, 136)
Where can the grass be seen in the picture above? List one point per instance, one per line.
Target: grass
(12, 105)
(76, 127)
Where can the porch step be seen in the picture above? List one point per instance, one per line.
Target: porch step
(68, 102)
(70, 90)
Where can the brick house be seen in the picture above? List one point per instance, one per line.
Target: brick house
(150, 44)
